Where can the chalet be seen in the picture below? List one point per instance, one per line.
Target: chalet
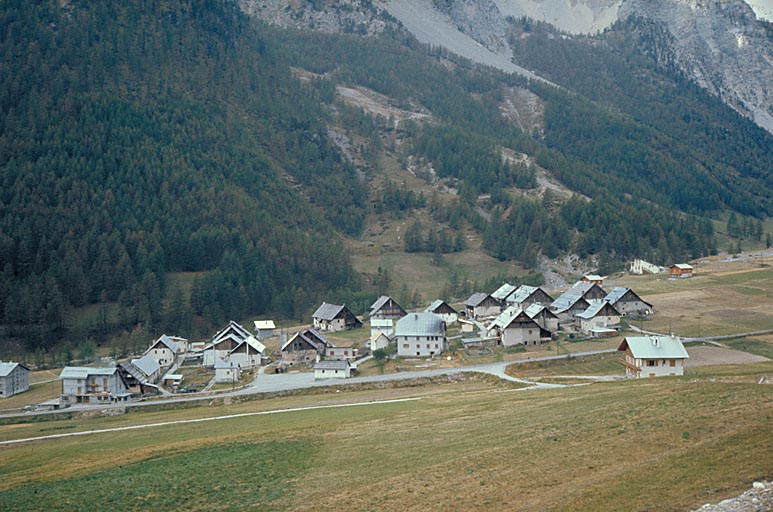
(527, 295)
(442, 309)
(680, 270)
(381, 341)
(221, 347)
(248, 354)
(421, 334)
(234, 330)
(340, 353)
(166, 349)
(503, 293)
(520, 329)
(386, 307)
(332, 369)
(381, 326)
(593, 278)
(653, 356)
(333, 318)
(84, 385)
(481, 305)
(264, 329)
(227, 371)
(576, 300)
(14, 379)
(305, 346)
(600, 315)
(543, 316)
(627, 302)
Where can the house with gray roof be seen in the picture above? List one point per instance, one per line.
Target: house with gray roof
(166, 348)
(334, 317)
(481, 305)
(421, 335)
(304, 346)
(444, 311)
(149, 368)
(86, 385)
(653, 356)
(221, 347)
(333, 369)
(248, 354)
(627, 302)
(520, 329)
(502, 293)
(599, 318)
(227, 372)
(543, 316)
(527, 295)
(14, 379)
(386, 308)
(576, 300)
(264, 329)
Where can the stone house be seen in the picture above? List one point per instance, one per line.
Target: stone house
(14, 379)
(420, 335)
(334, 317)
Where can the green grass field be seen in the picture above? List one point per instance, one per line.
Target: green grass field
(694, 440)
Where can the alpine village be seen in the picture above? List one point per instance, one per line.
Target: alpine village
(386, 255)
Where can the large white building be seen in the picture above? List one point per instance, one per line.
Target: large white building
(653, 356)
(14, 378)
(420, 334)
(82, 384)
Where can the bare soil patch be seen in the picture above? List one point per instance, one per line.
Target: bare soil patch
(710, 356)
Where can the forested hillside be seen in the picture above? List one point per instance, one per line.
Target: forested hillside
(140, 138)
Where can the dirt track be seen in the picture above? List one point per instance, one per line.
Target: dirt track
(710, 356)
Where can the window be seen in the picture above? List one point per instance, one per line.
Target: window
(651, 362)
(672, 363)
(405, 345)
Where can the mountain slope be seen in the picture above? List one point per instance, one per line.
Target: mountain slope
(139, 141)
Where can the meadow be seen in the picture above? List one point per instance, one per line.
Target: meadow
(664, 444)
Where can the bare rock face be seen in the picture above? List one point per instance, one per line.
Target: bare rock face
(721, 45)
(343, 16)
(479, 19)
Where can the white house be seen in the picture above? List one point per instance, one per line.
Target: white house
(381, 341)
(221, 347)
(340, 353)
(653, 356)
(227, 371)
(93, 385)
(599, 315)
(264, 328)
(166, 348)
(333, 369)
(381, 326)
(482, 305)
(14, 378)
(420, 334)
(248, 354)
(520, 329)
(442, 309)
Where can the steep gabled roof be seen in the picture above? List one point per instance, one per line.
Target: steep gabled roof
(312, 337)
(437, 304)
(535, 309)
(619, 292)
(146, 364)
(232, 328)
(571, 296)
(598, 308)
(654, 347)
(504, 317)
(476, 299)
(328, 311)
(166, 342)
(503, 292)
(7, 368)
(251, 342)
